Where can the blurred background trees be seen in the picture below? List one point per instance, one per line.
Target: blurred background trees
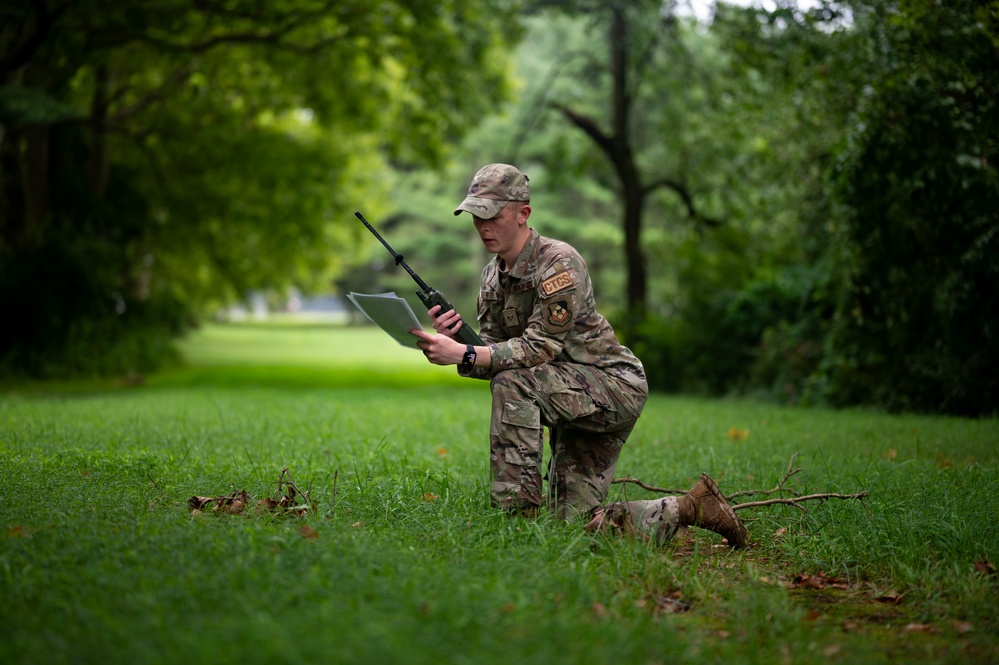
(795, 202)
(161, 158)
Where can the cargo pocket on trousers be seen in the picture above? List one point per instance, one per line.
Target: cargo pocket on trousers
(519, 413)
(522, 414)
(573, 404)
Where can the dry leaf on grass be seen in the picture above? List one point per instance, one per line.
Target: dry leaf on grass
(287, 500)
(199, 502)
(817, 581)
(891, 597)
(737, 434)
(962, 627)
(985, 567)
(669, 605)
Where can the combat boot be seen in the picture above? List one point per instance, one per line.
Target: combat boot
(705, 507)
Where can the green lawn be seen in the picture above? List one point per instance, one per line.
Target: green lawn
(401, 560)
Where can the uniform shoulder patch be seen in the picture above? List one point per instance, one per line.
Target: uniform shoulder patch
(559, 313)
(556, 283)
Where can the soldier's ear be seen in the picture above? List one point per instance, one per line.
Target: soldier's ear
(524, 213)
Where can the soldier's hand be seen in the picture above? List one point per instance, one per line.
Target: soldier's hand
(439, 349)
(447, 323)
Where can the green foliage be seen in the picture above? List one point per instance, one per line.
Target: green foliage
(847, 150)
(747, 305)
(184, 154)
(20, 107)
(836, 245)
(917, 324)
(746, 116)
(863, 269)
(764, 339)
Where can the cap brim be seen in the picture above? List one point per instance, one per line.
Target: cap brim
(481, 208)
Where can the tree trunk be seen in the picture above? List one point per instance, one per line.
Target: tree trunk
(97, 166)
(35, 182)
(634, 202)
(616, 145)
(624, 164)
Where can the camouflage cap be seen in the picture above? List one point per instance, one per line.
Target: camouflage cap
(492, 187)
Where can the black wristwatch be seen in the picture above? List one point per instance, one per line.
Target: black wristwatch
(469, 358)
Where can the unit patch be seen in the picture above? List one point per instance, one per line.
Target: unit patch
(558, 313)
(556, 283)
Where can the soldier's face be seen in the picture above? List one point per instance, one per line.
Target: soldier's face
(505, 233)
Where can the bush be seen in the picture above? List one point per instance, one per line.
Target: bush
(66, 320)
(764, 339)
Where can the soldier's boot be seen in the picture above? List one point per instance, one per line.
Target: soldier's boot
(704, 506)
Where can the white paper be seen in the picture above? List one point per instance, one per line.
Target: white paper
(391, 313)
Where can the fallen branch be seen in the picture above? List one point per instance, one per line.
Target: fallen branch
(780, 484)
(651, 488)
(795, 500)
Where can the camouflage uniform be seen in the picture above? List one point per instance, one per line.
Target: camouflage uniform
(556, 362)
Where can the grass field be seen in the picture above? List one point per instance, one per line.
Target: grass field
(401, 560)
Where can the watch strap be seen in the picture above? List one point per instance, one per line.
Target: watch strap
(469, 358)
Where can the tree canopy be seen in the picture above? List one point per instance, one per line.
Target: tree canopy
(799, 202)
(158, 156)
(916, 323)
(815, 191)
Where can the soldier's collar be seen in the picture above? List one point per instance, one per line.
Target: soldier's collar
(522, 265)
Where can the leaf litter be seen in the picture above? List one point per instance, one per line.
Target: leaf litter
(288, 499)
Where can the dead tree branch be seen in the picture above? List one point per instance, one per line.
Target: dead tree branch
(798, 499)
(795, 500)
(780, 484)
(651, 488)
